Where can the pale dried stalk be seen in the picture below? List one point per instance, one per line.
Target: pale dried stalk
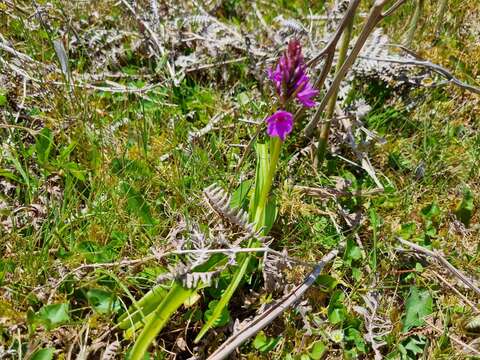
(375, 16)
(153, 35)
(437, 256)
(455, 290)
(160, 255)
(454, 338)
(429, 65)
(271, 314)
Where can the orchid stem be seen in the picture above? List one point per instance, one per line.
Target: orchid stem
(325, 128)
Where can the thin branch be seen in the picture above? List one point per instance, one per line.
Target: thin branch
(153, 35)
(373, 19)
(437, 256)
(427, 64)
(271, 314)
(455, 290)
(454, 338)
(160, 255)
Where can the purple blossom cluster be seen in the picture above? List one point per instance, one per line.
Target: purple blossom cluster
(290, 81)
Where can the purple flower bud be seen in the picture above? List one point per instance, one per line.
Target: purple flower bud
(289, 77)
(280, 124)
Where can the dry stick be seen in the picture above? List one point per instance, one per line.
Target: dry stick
(427, 64)
(328, 52)
(412, 26)
(325, 128)
(375, 16)
(153, 35)
(440, 15)
(454, 338)
(437, 256)
(160, 255)
(271, 314)
(455, 290)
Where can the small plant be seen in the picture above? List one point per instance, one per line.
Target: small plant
(153, 311)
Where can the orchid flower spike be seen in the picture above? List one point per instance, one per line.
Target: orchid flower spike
(289, 76)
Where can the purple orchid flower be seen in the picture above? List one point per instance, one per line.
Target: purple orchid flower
(289, 77)
(280, 124)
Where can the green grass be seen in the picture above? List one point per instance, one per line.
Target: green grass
(83, 181)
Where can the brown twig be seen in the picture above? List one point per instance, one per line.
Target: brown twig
(455, 290)
(454, 338)
(441, 260)
(375, 16)
(271, 314)
(427, 64)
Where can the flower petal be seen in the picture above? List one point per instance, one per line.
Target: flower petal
(305, 96)
(280, 124)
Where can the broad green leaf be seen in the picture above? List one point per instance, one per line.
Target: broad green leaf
(222, 320)
(136, 204)
(43, 145)
(75, 170)
(418, 305)
(263, 343)
(53, 315)
(261, 173)
(318, 350)
(3, 97)
(336, 310)
(240, 194)
(8, 174)
(326, 282)
(224, 300)
(43, 354)
(352, 252)
(431, 212)
(143, 307)
(102, 301)
(464, 211)
(174, 299)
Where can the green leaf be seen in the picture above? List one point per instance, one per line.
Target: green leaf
(326, 282)
(352, 252)
(270, 215)
(43, 354)
(263, 343)
(261, 173)
(157, 319)
(407, 230)
(431, 212)
(224, 300)
(222, 320)
(103, 301)
(336, 310)
(75, 170)
(318, 350)
(146, 305)
(3, 97)
(53, 315)
(464, 211)
(240, 194)
(43, 145)
(418, 305)
(136, 204)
